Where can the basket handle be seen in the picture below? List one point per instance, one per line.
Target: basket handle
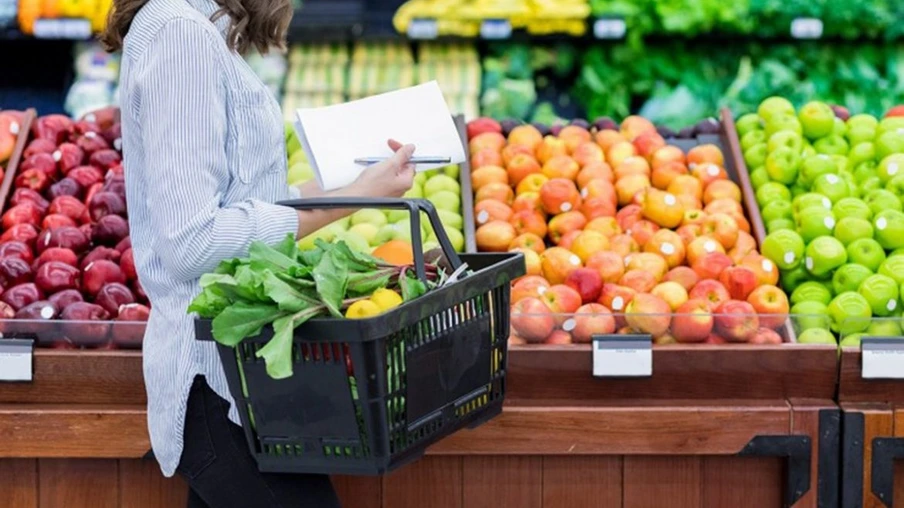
(413, 206)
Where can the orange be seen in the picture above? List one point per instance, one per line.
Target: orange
(395, 252)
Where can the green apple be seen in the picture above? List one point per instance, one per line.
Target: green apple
(816, 165)
(823, 255)
(779, 209)
(850, 229)
(865, 169)
(867, 185)
(781, 123)
(446, 200)
(815, 222)
(366, 231)
(369, 216)
(402, 231)
(861, 152)
(817, 119)
(816, 336)
(420, 178)
(773, 106)
(441, 183)
(832, 145)
(450, 219)
(453, 171)
(851, 340)
(772, 191)
(811, 292)
(862, 120)
(786, 139)
(355, 241)
(293, 145)
(889, 143)
(861, 134)
(326, 233)
(456, 238)
(749, 122)
(896, 185)
(890, 124)
(755, 156)
(888, 327)
(891, 166)
(791, 279)
(808, 150)
(889, 225)
(880, 200)
(832, 187)
(852, 208)
(782, 164)
(758, 177)
(297, 158)
(849, 277)
(881, 291)
(850, 313)
(777, 224)
(785, 248)
(808, 315)
(893, 267)
(797, 190)
(810, 200)
(385, 234)
(840, 128)
(752, 138)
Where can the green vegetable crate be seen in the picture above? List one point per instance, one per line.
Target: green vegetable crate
(369, 396)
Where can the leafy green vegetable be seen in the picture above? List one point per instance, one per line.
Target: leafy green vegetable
(281, 286)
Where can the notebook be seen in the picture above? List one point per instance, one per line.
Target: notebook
(334, 136)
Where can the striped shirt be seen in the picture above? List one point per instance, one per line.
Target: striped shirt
(204, 158)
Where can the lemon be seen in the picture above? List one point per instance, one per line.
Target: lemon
(386, 299)
(362, 309)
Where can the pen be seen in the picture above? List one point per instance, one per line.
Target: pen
(367, 161)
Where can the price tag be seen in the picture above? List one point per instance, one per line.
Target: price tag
(495, 29)
(423, 29)
(882, 358)
(609, 28)
(806, 28)
(65, 28)
(16, 359)
(622, 356)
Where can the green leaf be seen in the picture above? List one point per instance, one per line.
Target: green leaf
(241, 320)
(277, 353)
(411, 286)
(208, 304)
(361, 284)
(288, 247)
(331, 277)
(276, 260)
(228, 266)
(357, 261)
(285, 295)
(249, 283)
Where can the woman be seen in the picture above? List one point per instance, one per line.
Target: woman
(205, 161)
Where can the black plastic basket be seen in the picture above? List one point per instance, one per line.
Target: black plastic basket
(368, 396)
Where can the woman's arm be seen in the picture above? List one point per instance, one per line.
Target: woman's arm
(184, 130)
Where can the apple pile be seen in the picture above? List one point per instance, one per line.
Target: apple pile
(830, 194)
(621, 232)
(65, 251)
(368, 229)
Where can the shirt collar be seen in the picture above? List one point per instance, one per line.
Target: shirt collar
(208, 8)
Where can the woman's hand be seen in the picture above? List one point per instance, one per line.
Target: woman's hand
(388, 179)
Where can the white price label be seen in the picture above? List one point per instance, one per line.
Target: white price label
(622, 356)
(609, 28)
(16, 359)
(423, 29)
(806, 28)
(495, 29)
(882, 358)
(64, 28)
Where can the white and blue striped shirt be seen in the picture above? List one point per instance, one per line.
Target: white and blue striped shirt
(204, 158)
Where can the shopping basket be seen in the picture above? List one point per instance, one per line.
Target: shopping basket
(368, 396)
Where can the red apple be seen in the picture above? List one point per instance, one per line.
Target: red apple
(766, 336)
(532, 320)
(99, 273)
(589, 320)
(587, 282)
(16, 249)
(711, 265)
(55, 276)
(693, 322)
(771, 304)
(558, 337)
(66, 256)
(25, 195)
(711, 291)
(683, 275)
(648, 314)
(562, 301)
(739, 281)
(736, 321)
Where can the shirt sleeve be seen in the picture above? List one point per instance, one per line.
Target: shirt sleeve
(184, 131)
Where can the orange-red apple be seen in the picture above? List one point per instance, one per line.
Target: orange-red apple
(736, 321)
(558, 263)
(561, 166)
(520, 167)
(593, 208)
(663, 208)
(627, 187)
(529, 286)
(721, 189)
(574, 136)
(510, 152)
(766, 271)
(528, 241)
(588, 153)
(589, 242)
(648, 143)
(711, 265)
(616, 297)
(587, 282)
(771, 304)
(722, 227)
(529, 201)
(683, 275)
(664, 175)
(486, 157)
(532, 320)
(701, 246)
(489, 210)
(711, 291)
(594, 171)
(669, 245)
(525, 135)
(642, 231)
(702, 154)
(527, 221)
(667, 155)
(487, 140)
(673, 293)
(532, 182)
(560, 195)
(549, 148)
(592, 319)
(634, 125)
(495, 236)
(765, 336)
(648, 314)
(654, 264)
(608, 137)
(638, 280)
(686, 185)
(693, 322)
(564, 223)
(610, 265)
(623, 245)
(488, 174)
(605, 225)
(498, 191)
(709, 173)
(634, 165)
(739, 281)
(558, 338)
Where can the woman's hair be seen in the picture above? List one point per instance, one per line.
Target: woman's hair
(252, 23)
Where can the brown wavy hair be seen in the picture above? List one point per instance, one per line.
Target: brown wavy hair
(261, 24)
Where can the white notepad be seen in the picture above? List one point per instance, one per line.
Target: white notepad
(334, 136)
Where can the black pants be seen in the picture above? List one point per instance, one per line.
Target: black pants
(221, 472)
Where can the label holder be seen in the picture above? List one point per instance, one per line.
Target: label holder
(17, 360)
(622, 356)
(610, 28)
(882, 358)
(423, 29)
(495, 29)
(807, 28)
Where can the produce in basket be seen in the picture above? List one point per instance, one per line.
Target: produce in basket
(285, 286)
(620, 231)
(830, 187)
(65, 235)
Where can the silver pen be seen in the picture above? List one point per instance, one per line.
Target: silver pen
(367, 161)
